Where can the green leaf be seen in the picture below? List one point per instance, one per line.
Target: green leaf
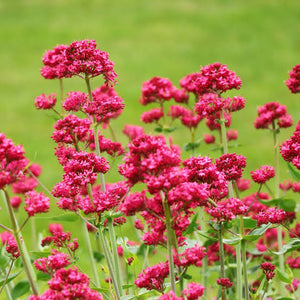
(294, 174)
(193, 225)
(66, 218)
(158, 129)
(233, 241)
(187, 276)
(294, 244)
(98, 256)
(39, 254)
(43, 276)
(191, 146)
(284, 277)
(10, 277)
(285, 298)
(169, 130)
(257, 233)
(20, 289)
(288, 205)
(248, 222)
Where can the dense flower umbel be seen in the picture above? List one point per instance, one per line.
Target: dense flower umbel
(190, 256)
(153, 277)
(290, 149)
(271, 112)
(268, 270)
(232, 165)
(9, 241)
(224, 282)
(45, 101)
(53, 262)
(68, 284)
(214, 78)
(36, 203)
(80, 58)
(157, 89)
(263, 174)
(271, 215)
(12, 161)
(293, 83)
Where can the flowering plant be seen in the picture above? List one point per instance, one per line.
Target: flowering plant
(191, 232)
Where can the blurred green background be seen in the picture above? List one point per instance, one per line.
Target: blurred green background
(258, 39)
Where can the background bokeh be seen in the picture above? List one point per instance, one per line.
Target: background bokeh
(258, 39)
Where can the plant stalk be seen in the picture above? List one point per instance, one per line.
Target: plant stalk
(21, 245)
(169, 241)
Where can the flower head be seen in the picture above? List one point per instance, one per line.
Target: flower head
(263, 174)
(36, 203)
(45, 101)
(268, 270)
(293, 83)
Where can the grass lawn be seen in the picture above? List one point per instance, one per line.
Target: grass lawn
(258, 39)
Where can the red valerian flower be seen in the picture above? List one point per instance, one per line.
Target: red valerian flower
(157, 89)
(190, 256)
(12, 161)
(71, 130)
(53, 262)
(232, 165)
(243, 184)
(45, 101)
(290, 149)
(74, 101)
(133, 131)
(268, 270)
(293, 83)
(55, 227)
(269, 113)
(193, 291)
(293, 262)
(209, 138)
(153, 115)
(15, 201)
(153, 277)
(82, 57)
(55, 63)
(263, 174)
(36, 203)
(10, 242)
(271, 215)
(189, 82)
(70, 283)
(169, 296)
(224, 282)
(292, 288)
(232, 134)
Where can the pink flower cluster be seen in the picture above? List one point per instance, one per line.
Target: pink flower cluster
(215, 78)
(271, 215)
(224, 282)
(153, 277)
(68, 284)
(263, 174)
(290, 149)
(12, 161)
(10, 242)
(271, 112)
(36, 203)
(190, 256)
(81, 58)
(268, 270)
(157, 89)
(193, 291)
(45, 101)
(293, 83)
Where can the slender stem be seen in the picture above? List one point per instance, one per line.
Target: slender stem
(113, 135)
(169, 241)
(88, 245)
(5, 228)
(61, 89)
(204, 260)
(7, 275)
(277, 194)
(109, 262)
(245, 273)
(21, 245)
(222, 259)
(115, 253)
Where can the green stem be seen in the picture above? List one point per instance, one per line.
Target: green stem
(6, 278)
(204, 260)
(21, 246)
(88, 245)
(109, 262)
(115, 253)
(61, 89)
(245, 273)
(222, 259)
(277, 194)
(169, 241)
(34, 234)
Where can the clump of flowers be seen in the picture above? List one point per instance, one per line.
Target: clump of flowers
(293, 83)
(268, 270)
